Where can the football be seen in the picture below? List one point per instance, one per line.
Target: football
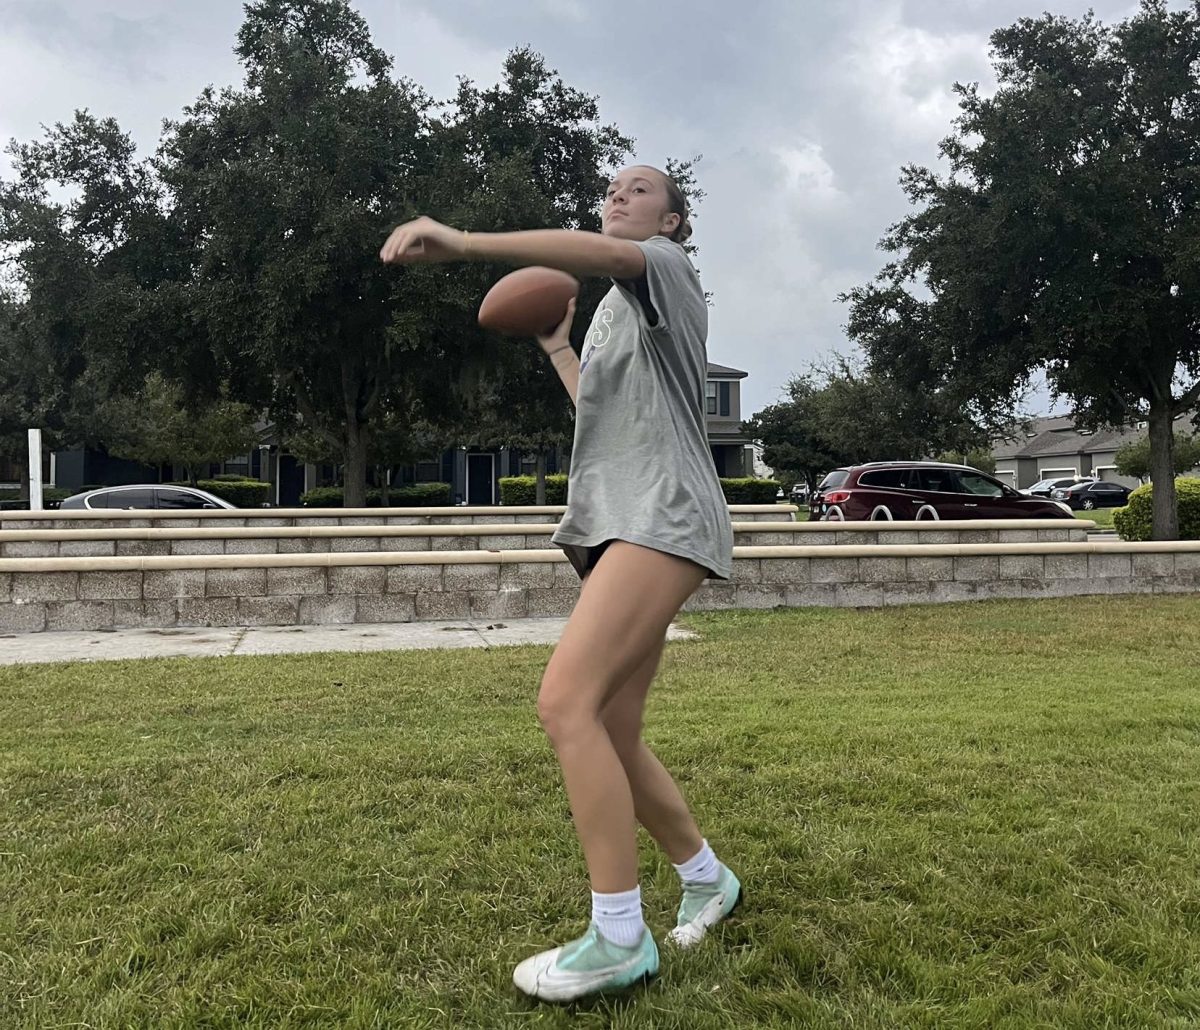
(528, 302)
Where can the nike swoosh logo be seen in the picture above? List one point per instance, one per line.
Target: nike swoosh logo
(556, 976)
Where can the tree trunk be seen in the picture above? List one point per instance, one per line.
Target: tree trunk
(1162, 470)
(22, 468)
(354, 448)
(383, 474)
(191, 475)
(354, 471)
(539, 490)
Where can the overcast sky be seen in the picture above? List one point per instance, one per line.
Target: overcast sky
(804, 112)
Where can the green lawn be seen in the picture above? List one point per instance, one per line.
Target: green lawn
(945, 816)
(1103, 517)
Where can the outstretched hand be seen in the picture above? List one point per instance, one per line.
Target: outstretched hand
(423, 240)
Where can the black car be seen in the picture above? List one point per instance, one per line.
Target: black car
(1046, 487)
(1092, 494)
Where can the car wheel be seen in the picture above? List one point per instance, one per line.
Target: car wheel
(1088, 504)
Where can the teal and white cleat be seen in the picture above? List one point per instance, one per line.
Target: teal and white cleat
(703, 906)
(590, 965)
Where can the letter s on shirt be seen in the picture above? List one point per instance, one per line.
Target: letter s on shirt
(600, 334)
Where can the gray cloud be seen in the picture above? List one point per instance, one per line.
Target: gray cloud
(804, 113)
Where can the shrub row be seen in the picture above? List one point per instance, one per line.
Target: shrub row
(52, 497)
(522, 490)
(241, 493)
(420, 495)
(514, 490)
(517, 490)
(750, 491)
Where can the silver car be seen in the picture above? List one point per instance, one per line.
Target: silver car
(139, 495)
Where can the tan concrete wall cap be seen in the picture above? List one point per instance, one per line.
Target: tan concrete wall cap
(342, 559)
(330, 532)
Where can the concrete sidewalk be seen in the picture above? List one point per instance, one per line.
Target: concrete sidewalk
(223, 641)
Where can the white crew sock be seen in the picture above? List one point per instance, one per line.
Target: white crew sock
(702, 867)
(619, 916)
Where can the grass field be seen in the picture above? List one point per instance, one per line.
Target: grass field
(1103, 517)
(945, 816)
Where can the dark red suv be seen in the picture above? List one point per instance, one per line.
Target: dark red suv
(901, 491)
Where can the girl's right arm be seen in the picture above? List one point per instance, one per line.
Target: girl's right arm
(580, 253)
(562, 355)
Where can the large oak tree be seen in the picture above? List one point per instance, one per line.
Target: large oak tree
(1065, 237)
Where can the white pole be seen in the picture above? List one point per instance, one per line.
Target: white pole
(35, 470)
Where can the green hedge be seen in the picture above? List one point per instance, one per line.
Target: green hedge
(244, 493)
(241, 493)
(49, 493)
(422, 495)
(522, 490)
(52, 497)
(750, 491)
(1135, 520)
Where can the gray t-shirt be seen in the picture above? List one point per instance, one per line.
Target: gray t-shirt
(641, 468)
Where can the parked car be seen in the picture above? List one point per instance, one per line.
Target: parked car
(145, 496)
(798, 493)
(1092, 494)
(1046, 487)
(924, 490)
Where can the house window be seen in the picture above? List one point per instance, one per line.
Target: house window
(429, 471)
(710, 397)
(723, 400)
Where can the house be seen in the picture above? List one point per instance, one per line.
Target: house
(473, 472)
(1054, 446)
(732, 449)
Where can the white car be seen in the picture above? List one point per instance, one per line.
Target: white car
(138, 495)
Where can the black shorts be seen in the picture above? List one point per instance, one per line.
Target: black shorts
(584, 559)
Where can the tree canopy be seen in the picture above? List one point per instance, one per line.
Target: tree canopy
(240, 263)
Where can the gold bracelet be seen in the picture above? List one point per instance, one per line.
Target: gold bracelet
(466, 243)
(557, 350)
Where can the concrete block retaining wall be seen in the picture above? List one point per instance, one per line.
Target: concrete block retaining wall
(277, 517)
(38, 594)
(148, 541)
